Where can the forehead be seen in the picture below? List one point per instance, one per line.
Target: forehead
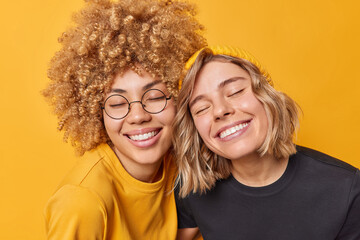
(130, 79)
(131, 82)
(214, 73)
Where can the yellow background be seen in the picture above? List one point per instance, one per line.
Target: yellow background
(311, 48)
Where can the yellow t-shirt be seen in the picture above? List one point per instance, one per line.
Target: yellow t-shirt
(100, 200)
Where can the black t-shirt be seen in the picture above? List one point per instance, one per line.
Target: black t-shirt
(317, 197)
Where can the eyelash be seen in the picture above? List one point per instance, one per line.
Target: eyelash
(117, 105)
(237, 92)
(201, 110)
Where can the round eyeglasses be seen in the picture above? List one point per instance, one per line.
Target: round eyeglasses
(152, 101)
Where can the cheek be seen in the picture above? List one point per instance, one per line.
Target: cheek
(263, 119)
(167, 116)
(253, 106)
(202, 125)
(112, 125)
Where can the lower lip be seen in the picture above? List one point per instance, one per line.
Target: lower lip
(145, 143)
(235, 134)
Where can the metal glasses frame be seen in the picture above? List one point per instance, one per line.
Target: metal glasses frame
(141, 102)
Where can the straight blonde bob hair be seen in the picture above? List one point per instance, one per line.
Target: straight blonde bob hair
(199, 167)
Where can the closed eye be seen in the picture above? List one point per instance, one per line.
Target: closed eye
(236, 93)
(201, 110)
(156, 98)
(117, 105)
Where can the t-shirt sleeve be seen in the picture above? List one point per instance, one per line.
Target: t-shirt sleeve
(74, 212)
(351, 227)
(184, 214)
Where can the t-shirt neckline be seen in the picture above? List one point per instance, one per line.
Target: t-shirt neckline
(270, 189)
(135, 183)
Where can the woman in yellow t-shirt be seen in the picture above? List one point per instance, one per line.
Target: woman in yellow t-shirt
(109, 88)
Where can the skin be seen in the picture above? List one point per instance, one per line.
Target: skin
(187, 233)
(228, 103)
(142, 158)
(233, 123)
(225, 103)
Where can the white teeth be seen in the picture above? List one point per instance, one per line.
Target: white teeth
(141, 137)
(232, 130)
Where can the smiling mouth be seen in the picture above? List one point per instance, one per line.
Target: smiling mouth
(143, 137)
(233, 129)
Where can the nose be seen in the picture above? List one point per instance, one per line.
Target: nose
(222, 109)
(137, 115)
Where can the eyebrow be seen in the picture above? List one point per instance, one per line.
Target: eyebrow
(198, 98)
(150, 85)
(146, 87)
(230, 80)
(221, 85)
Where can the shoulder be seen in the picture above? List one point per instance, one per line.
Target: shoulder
(72, 211)
(74, 199)
(87, 166)
(325, 173)
(92, 175)
(323, 159)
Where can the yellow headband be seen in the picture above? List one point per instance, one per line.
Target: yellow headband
(230, 51)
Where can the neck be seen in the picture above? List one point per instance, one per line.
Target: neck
(258, 171)
(143, 172)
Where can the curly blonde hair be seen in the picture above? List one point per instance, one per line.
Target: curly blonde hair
(199, 168)
(156, 36)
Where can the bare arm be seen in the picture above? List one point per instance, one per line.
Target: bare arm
(187, 233)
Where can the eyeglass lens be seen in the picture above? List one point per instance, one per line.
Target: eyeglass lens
(117, 106)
